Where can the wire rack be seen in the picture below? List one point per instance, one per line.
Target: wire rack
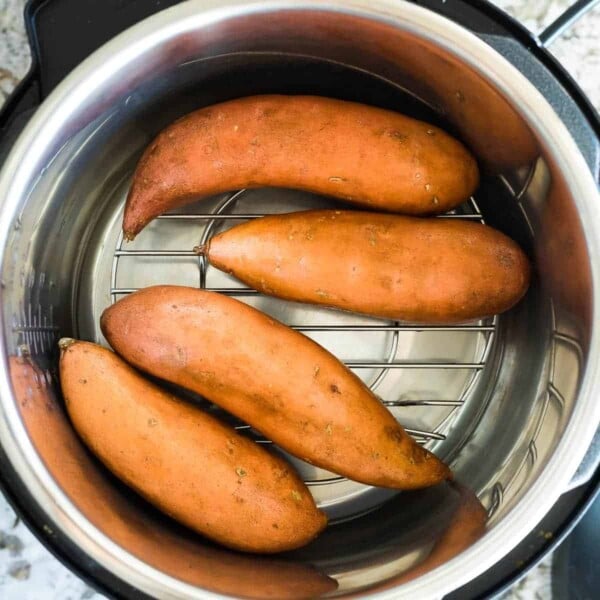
(222, 214)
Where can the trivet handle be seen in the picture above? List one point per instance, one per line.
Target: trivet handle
(566, 20)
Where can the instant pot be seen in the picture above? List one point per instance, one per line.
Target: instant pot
(511, 403)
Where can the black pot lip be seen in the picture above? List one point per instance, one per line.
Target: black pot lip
(50, 535)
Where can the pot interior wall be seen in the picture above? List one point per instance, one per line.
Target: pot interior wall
(510, 405)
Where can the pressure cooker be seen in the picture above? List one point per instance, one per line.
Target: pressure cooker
(510, 402)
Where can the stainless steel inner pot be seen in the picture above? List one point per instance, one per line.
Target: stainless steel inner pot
(509, 402)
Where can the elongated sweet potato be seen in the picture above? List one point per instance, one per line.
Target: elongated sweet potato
(189, 558)
(274, 378)
(466, 526)
(364, 155)
(406, 268)
(188, 464)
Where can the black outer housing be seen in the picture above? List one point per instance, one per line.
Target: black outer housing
(85, 25)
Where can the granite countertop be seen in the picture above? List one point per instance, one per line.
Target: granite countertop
(27, 570)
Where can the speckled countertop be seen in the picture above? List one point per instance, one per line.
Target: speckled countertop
(27, 570)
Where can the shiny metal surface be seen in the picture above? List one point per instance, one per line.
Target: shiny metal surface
(528, 398)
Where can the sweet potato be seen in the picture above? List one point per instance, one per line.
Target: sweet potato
(405, 268)
(467, 525)
(185, 462)
(364, 155)
(189, 558)
(274, 378)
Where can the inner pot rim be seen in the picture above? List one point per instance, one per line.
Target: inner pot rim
(78, 89)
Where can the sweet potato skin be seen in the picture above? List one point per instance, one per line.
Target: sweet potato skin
(361, 154)
(467, 525)
(404, 268)
(188, 558)
(194, 468)
(274, 378)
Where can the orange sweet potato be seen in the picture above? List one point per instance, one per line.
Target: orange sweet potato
(189, 558)
(405, 268)
(467, 525)
(188, 464)
(364, 155)
(274, 378)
